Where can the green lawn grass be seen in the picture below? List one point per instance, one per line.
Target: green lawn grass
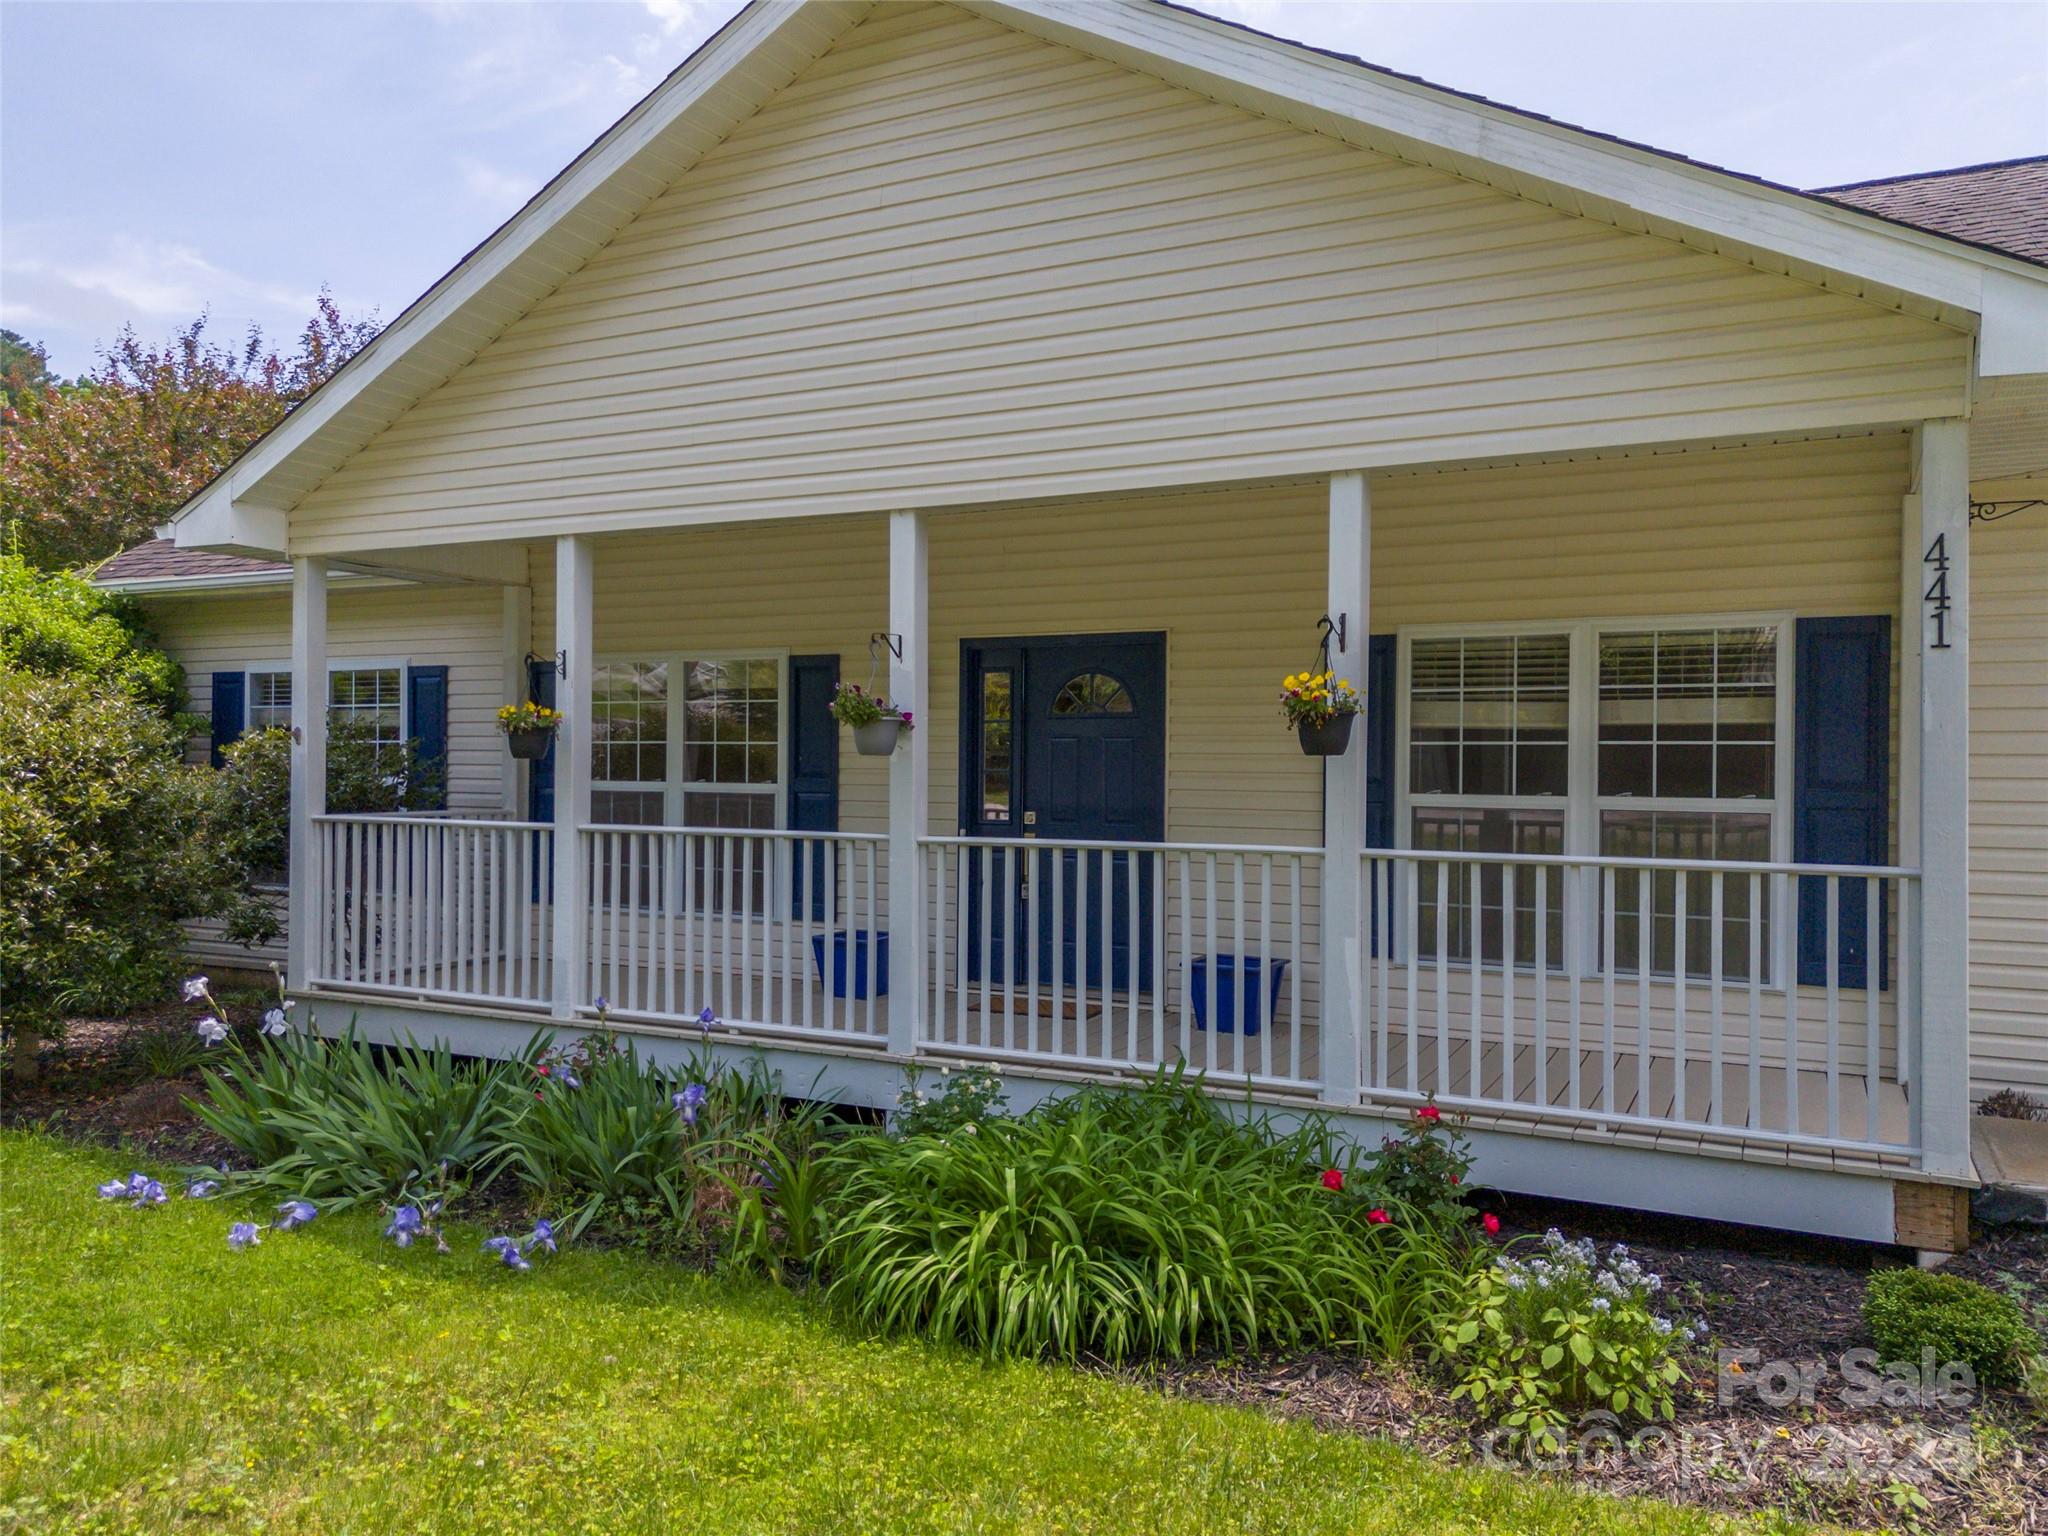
(154, 1380)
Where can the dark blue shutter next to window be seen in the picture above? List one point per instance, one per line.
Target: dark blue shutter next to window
(1841, 781)
(813, 768)
(426, 706)
(229, 708)
(1379, 763)
(540, 775)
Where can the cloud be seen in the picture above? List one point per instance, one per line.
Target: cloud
(673, 15)
(79, 291)
(498, 189)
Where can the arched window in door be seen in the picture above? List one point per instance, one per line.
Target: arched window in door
(1093, 693)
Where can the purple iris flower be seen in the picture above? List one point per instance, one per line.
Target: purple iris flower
(294, 1213)
(707, 1018)
(600, 1004)
(568, 1079)
(405, 1225)
(119, 1189)
(149, 1192)
(199, 1189)
(507, 1250)
(689, 1101)
(542, 1236)
(244, 1234)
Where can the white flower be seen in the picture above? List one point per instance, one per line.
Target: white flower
(1601, 1304)
(211, 1030)
(273, 1022)
(195, 988)
(1661, 1324)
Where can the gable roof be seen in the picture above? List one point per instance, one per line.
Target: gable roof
(767, 44)
(2003, 204)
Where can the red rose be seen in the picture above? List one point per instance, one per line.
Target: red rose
(1430, 1113)
(1491, 1223)
(1378, 1217)
(1454, 1178)
(1333, 1178)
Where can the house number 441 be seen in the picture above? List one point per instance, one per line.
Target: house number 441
(1936, 596)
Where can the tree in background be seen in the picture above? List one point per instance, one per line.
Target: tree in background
(59, 624)
(90, 468)
(24, 367)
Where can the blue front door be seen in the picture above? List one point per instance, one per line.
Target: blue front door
(1066, 741)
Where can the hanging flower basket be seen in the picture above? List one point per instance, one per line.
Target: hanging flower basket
(1321, 707)
(877, 726)
(529, 729)
(878, 738)
(1330, 739)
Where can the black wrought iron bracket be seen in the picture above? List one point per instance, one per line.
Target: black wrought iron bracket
(883, 637)
(1328, 629)
(560, 661)
(1992, 511)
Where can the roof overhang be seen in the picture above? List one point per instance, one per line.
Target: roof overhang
(2003, 299)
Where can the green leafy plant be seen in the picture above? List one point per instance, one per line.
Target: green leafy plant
(629, 1146)
(1129, 1224)
(853, 705)
(342, 1121)
(1426, 1166)
(1540, 1340)
(1911, 1310)
(970, 1095)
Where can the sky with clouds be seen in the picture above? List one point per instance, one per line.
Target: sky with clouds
(164, 158)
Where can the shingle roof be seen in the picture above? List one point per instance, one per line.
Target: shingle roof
(2004, 204)
(162, 560)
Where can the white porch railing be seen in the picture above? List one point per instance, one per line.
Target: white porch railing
(1126, 955)
(775, 930)
(1660, 995)
(433, 907)
(1676, 999)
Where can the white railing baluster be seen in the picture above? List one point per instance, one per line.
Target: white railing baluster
(1443, 977)
(1610, 962)
(1834, 1025)
(1680, 964)
(1873, 962)
(1717, 914)
(1541, 1083)
(1646, 915)
(1507, 982)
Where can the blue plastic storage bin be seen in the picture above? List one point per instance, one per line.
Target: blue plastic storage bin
(1237, 992)
(837, 980)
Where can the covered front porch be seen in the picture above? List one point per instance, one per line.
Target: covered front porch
(1569, 875)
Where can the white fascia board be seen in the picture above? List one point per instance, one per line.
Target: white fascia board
(1287, 81)
(2014, 337)
(231, 514)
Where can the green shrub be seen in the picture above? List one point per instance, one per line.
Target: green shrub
(57, 624)
(341, 1122)
(1911, 1310)
(101, 846)
(1130, 1224)
(628, 1146)
(971, 1095)
(1567, 1331)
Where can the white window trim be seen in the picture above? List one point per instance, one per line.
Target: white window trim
(675, 784)
(1582, 804)
(401, 664)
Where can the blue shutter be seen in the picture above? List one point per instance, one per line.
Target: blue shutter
(1379, 761)
(1841, 780)
(813, 768)
(540, 774)
(230, 691)
(426, 705)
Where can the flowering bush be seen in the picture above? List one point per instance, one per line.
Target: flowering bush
(1424, 1169)
(1317, 698)
(528, 716)
(970, 1096)
(853, 705)
(1544, 1338)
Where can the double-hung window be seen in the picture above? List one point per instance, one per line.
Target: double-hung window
(372, 698)
(1489, 770)
(693, 742)
(270, 700)
(1687, 768)
(1658, 740)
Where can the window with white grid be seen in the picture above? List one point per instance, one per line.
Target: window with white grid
(269, 701)
(373, 695)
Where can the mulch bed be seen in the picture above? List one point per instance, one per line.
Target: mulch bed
(1980, 1468)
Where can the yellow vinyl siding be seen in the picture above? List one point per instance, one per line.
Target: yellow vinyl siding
(2009, 803)
(461, 627)
(950, 265)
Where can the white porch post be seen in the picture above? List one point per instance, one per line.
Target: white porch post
(575, 590)
(909, 773)
(308, 764)
(1350, 551)
(1941, 1085)
(518, 639)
